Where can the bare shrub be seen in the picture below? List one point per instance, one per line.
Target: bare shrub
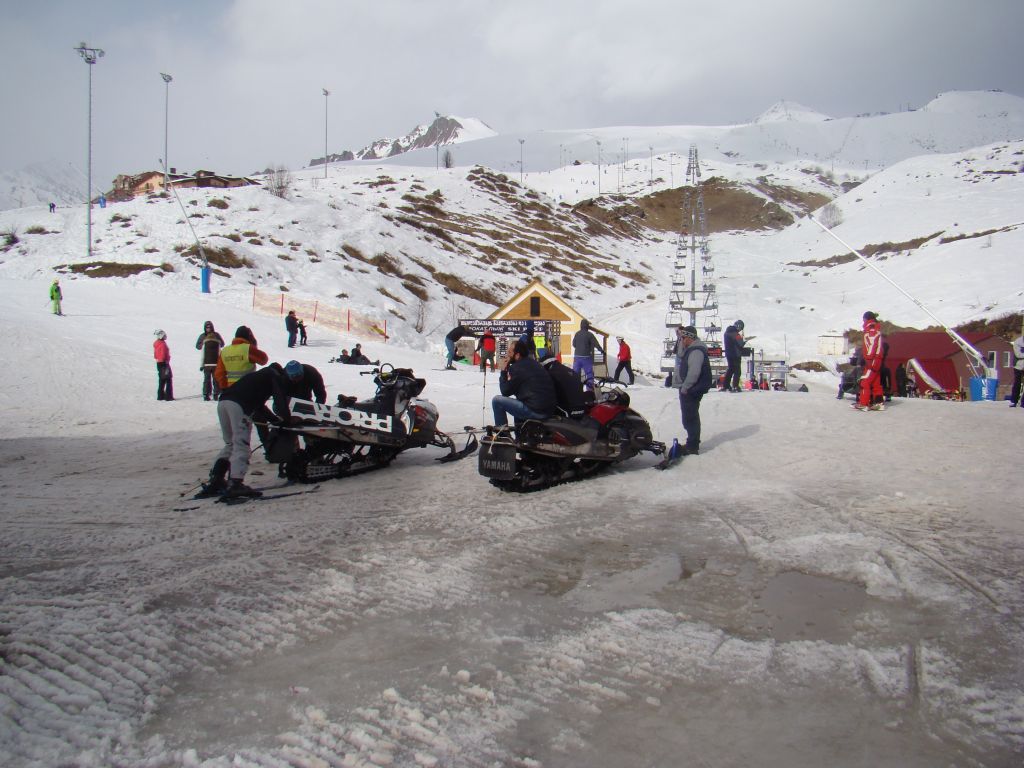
(217, 203)
(831, 215)
(279, 182)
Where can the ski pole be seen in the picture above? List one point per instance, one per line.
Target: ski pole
(483, 404)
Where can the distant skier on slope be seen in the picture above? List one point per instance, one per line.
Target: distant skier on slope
(56, 296)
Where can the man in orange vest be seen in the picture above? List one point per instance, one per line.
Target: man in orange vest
(238, 358)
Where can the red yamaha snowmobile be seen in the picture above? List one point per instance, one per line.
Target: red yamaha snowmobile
(354, 437)
(540, 453)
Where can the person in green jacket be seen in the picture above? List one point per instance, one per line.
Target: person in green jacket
(55, 297)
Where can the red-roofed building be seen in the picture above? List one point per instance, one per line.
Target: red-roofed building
(945, 362)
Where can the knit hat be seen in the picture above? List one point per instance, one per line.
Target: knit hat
(243, 332)
(293, 369)
(688, 331)
(870, 316)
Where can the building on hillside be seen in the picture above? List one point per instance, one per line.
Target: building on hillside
(946, 363)
(555, 323)
(127, 186)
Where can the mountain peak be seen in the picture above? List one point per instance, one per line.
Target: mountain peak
(444, 130)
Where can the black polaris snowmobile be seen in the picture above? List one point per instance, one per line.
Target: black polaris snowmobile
(540, 453)
(357, 436)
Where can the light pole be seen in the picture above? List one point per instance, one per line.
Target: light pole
(598, 166)
(521, 142)
(326, 94)
(89, 55)
(652, 167)
(167, 101)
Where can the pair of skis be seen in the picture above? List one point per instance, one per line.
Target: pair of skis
(263, 496)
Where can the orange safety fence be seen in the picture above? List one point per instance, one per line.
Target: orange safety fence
(313, 312)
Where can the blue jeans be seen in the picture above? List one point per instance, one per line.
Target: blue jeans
(503, 407)
(585, 364)
(450, 346)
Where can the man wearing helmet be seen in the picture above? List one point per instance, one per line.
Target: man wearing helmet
(733, 351)
(162, 354)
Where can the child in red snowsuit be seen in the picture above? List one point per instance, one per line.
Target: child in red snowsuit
(871, 378)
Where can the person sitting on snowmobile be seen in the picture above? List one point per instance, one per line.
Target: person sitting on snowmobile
(527, 391)
(568, 387)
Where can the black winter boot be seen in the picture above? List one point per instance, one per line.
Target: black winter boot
(217, 483)
(238, 489)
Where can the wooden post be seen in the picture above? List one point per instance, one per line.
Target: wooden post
(282, 303)
(348, 325)
(316, 305)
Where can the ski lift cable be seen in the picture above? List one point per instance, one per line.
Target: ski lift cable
(977, 361)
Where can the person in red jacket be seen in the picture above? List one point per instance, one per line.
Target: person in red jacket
(487, 348)
(162, 355)
(625, 360)
(871, 379)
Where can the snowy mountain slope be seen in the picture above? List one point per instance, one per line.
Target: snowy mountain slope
(390, 240)
(41, 184)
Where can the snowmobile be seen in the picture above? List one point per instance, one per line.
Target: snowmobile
(353, 436)
(540, 453)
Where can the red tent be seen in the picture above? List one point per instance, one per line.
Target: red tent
(934, 350)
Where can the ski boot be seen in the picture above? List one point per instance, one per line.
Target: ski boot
(217, 483)
(239, 490)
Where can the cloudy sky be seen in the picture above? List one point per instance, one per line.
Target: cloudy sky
(248, 74)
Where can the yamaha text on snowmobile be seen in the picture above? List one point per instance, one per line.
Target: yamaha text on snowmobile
(542, 453)
(353, 437)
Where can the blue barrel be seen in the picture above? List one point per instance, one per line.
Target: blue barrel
(204, 280)
(983, 388)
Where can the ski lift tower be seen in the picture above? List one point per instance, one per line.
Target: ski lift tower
(692, 300)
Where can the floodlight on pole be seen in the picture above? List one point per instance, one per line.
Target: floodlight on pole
(326, 94)
(89, 56)
(167, 101)
(521, 142)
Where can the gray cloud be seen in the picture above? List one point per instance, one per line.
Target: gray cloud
(248, 74)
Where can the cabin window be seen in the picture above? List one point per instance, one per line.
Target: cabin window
(993, 359)
(535, 306)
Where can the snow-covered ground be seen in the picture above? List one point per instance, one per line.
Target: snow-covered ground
(818, 587)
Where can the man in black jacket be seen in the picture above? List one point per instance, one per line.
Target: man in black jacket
(210, 344)
(523, 377)
(235, 410)
(291, 324)
(692, 377)
(734, 344)
(305, 382)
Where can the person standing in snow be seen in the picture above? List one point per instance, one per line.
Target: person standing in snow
(453, 336)
(487, 349)
(303, 338)
(584, 344)
(625, 360)
(291, 324)
(209, 344)
(1018, 372)
(692, 377)
(56, 296)
(237, 359)
(235, 410)
(162, 355)
(870, 379)
(734, 344)
(53, 207)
